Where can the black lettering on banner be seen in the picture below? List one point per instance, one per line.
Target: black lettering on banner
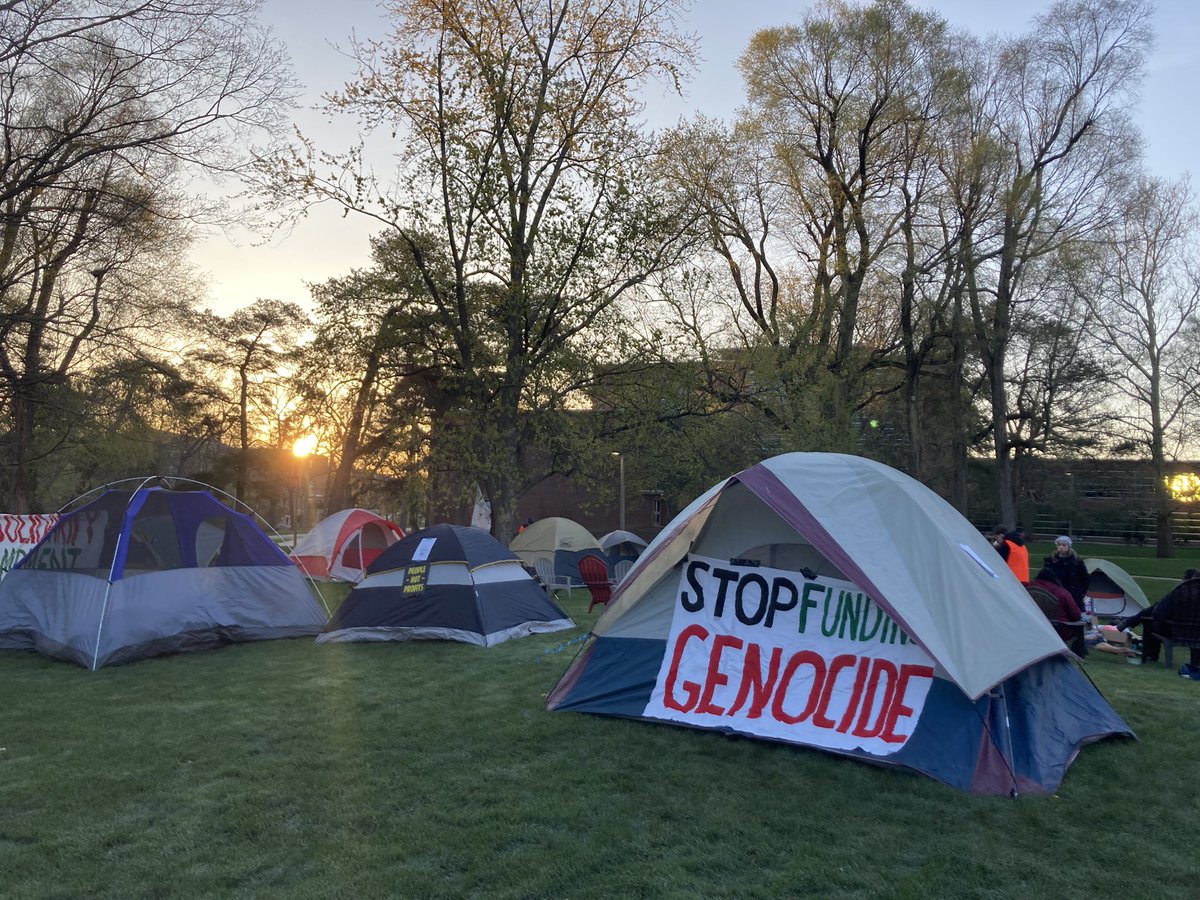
(687, 602)
(740, 599)
(724, 576)
(778, 587)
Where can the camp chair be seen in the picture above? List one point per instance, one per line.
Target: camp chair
(545, 574)
(1072, 633)
(1181, 622)
(621, 569)
(594, 571)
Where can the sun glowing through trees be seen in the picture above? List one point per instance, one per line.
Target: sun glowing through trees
(305, 446)
(1185, 487)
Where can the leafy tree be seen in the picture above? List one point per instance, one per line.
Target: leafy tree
(522, 162)
(253, 345)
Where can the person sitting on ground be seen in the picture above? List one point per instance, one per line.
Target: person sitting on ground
(1068, 610)
(1066, 564)
(1153, 620)
(1010, 544)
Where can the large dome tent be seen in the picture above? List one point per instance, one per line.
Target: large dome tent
(831, 601)
(149, 566)
(558, 542)
(342, 545)
(1113, 592)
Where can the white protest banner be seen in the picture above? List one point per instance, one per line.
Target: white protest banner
(19, 535)
(76, 544)
(772, 653)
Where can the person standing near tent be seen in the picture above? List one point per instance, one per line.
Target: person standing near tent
(1065, 563)
(1010, 544)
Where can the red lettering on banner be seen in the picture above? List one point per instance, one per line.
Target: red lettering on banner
(715, 677)
(875, 679)
(898, 709)
(752, 680)
(864, 668)
(691, 687)
(818, 663)
(840, 662)
(880, 667)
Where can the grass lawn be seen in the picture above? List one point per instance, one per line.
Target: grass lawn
(284, 769)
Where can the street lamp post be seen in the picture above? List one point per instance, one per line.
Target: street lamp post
(621, 466)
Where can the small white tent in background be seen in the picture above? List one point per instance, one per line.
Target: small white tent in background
(1112, 590)
(832, 601)
(341, 546)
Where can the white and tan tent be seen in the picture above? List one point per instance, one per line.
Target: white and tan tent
(555, 544)
(832, 601)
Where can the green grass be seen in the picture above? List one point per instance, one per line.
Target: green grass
(284, 769)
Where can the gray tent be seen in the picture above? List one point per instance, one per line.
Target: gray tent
(148, 571)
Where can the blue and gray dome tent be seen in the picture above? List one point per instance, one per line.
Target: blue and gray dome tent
(146, 569)
(834, 602)
(446, 582)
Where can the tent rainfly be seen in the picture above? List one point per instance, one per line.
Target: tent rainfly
(342, 545)
(447, 582)
(834, 602)
(149, 571)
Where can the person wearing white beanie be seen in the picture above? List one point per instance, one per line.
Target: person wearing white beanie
(1072, 574)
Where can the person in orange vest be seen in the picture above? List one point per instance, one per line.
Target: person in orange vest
(1010, 544)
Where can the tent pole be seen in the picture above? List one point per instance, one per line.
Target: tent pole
(1008, 741)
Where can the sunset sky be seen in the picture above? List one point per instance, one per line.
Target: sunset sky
(326, 244)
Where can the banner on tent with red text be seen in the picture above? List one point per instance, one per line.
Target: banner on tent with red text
(19, 535)
(773, 653)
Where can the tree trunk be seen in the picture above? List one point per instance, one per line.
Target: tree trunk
(24, 479)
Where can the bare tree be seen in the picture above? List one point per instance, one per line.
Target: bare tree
(1147, 299)
(1055, 125)
(106, 108)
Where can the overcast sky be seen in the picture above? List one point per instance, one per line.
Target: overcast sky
(327, 244)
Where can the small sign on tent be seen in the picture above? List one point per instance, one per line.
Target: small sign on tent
(773, 653)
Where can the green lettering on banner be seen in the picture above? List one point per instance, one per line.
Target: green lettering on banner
(10, 558)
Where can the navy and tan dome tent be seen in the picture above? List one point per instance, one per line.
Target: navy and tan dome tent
(149, 570)
(554, 546)
(833, 602)
(447, 582)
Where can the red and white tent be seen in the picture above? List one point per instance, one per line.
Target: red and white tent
(341, 546)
